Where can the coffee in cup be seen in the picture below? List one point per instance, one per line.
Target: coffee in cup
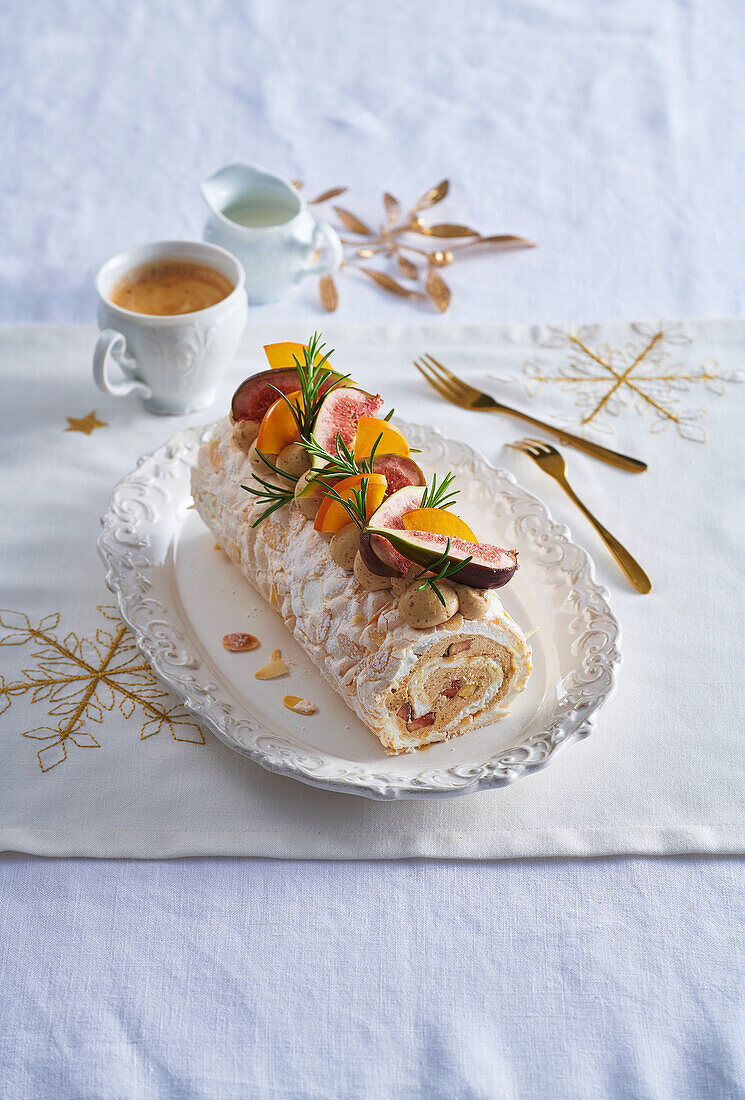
(170, 287)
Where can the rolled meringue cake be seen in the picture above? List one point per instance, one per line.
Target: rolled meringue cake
(410, 687)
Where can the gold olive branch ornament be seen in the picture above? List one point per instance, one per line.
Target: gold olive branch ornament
(391, 242)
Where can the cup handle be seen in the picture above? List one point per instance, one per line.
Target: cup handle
(323, 234)
(112, 343)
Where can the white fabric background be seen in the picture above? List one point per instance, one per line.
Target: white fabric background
(613, 135)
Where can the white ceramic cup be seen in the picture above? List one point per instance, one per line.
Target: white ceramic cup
(173, 362)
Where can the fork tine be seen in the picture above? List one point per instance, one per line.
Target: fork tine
(525, 446)
(542, 446)
(435, 383)
(443, 372)
(442, 385)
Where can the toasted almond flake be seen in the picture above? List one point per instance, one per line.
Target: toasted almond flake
(298, 705)
(466, 691)
(276, 654)
(531, 632)
(217, 546)
(273, 670)
(240, 643)
(358, 619)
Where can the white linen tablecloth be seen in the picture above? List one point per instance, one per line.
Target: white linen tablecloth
(612, 135)
(661, 773)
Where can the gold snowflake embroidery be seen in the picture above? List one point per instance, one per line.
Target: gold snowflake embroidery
(81, 678)
(640, 375)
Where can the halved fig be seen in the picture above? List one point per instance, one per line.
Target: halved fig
(398, 471)
(490, 566)
(256, 394)
(340, 413)
(377, 552)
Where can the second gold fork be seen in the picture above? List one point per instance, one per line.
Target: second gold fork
(553, 464)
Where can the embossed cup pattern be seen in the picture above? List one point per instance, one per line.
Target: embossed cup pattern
(175, 362)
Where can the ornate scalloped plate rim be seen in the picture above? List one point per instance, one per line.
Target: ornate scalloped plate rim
(122, 546)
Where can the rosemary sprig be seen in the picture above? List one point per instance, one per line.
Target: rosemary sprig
(275, 496)
(343, 463)
(440, 496)
(443, 570)
(312, 373)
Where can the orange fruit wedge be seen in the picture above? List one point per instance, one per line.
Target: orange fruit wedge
(283, 355)
(438, 522)
(393, 442)
(279, 427)
(332, 515)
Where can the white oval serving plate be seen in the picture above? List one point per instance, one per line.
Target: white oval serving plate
(180, 596)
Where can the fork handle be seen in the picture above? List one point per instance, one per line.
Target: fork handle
(603, 453)
(630, 566)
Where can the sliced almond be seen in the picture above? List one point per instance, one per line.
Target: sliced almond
(466, 691)
(276, 654)
(271, 671)
(298, 705)
(240, 643)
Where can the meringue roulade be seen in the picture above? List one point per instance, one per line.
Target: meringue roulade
(410, 686)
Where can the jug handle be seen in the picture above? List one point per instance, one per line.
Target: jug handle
(323, 234)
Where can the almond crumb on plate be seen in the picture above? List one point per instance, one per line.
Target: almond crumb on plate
(298, 705)
(240, 643)
(271, 671)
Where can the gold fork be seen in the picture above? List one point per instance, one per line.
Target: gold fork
(460, 393)
(553, 464)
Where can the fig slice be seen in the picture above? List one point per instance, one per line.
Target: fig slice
(340, 413)
(398, 472)
(377, 553)
(490, 566)
(256, 394)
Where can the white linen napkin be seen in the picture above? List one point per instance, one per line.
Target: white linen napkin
(663, 771)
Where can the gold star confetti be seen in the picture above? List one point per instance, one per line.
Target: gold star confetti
(85, 424)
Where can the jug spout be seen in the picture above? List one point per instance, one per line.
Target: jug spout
(237, 182)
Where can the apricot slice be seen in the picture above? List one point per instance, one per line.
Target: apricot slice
(438, 522)
(283, 355)
(369, 428)
(332, 515)
(279, 427)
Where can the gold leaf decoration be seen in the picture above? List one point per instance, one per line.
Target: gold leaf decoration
(392, 209)
(297, 184)
(447, 229)
(329, 293)
(435, 194)
(391, 244)
(326, 195)
(438, 290)
(390, 284)
(503, 241)
(407, 268)
(352, 222)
